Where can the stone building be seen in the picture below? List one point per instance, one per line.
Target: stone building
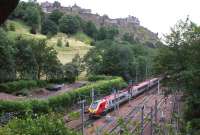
(86, 14)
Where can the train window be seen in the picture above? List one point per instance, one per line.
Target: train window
(143, 87)
(155, 81)
(110, 102)
(94, 105)
(122, 97)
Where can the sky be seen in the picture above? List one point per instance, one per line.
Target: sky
(156, 15)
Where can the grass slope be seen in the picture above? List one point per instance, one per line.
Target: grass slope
(78, 44)
(66, 54)
(21, 29)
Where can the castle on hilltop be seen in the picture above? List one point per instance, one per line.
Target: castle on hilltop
(87, 14)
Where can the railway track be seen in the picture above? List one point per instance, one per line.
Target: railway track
(145, 97)
(113, 124)
(117, 129)
(147, 117)
(131, 114)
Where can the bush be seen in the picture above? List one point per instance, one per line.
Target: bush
(39, 106)
(60, 102)
(69, 24)
(67, 44)
(16, 86)
(99, 77)
(14, 106)
(47, 125)
(59, 43)
(41, 83)
(49, 27)
(12, 27)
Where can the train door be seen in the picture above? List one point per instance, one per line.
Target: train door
(102, 108)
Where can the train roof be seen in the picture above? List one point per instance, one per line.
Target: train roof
(136, 86)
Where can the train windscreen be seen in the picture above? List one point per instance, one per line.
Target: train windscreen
(94, 105)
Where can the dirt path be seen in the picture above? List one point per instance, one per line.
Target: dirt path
(4, 96)
(42, 92)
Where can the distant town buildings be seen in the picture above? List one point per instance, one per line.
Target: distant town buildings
(87, 14)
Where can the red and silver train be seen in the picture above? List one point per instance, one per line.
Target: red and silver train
(102, 106)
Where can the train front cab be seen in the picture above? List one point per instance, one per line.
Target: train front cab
(97, 108)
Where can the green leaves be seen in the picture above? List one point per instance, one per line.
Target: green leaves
(7, 62)
(180, 61)
(47, 124)
(118, 59)
(49, 27)
(69, 24)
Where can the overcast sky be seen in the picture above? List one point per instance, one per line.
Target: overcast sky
(156, 15)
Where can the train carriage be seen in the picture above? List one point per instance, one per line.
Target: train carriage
(102, 106)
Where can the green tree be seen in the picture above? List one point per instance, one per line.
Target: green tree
(179, 60)
(26, 65)
(107, 33)
(59, 42)
(69, 24)
(119, 59)
(55, 16)
(90, 29)
(112, 32)
(19, 11)
(78, 63)
(102, 33)
(45, 57)
(53, 68)
(33, 18)
(49, 27)
(12, 27)
(129, 37)
(71, 72)
(7, 62)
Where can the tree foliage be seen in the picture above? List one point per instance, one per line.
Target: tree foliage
(49, 27)
(26, 64)
(7, 62)
(180, 61)
(107, 33)
(129, 37)
(33, 18)
(119, 59)
(31, 13)
(90, 29)
(69, 24)
(46, 124)
(55, 16)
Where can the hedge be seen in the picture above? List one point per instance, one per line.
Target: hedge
(15, 86)
(100, 77)
(60, 102)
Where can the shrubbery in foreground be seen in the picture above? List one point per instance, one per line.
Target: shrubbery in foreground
(46, 125)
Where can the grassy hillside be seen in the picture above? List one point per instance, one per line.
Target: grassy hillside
(78, 44)
(21, 29)
(65, 54)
